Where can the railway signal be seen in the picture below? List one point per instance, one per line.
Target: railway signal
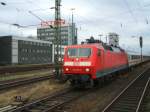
(141, 45)
(3, 3)
(141, 41)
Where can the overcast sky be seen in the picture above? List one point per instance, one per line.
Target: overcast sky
(93, 17)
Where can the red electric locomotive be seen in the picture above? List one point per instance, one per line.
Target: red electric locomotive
(87, 63)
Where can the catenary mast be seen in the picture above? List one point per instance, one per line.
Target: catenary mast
(57, 40)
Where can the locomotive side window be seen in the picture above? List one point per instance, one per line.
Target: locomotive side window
(79, 52)
(99, 52)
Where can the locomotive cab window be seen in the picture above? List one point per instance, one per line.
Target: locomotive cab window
(79, 52)
(72, 52)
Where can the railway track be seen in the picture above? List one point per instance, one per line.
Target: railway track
(52, 103)
(131, 98)
(15, 83)
(55, 103)
(21, 68)
(144, 107)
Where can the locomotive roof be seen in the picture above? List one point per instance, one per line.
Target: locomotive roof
(87, 45)
(100, 46)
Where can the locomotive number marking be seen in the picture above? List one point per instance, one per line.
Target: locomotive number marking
(76, 63)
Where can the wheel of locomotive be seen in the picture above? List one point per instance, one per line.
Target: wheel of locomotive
(106, 79)
(114, 76)
(100, 82)
(96, 82)
(72, 82)
(91, 83)
(76, 84)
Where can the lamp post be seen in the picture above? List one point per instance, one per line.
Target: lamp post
(106, 39)
(72, 9)
(100, 35)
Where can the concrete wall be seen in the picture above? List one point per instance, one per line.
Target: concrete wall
(5, 50)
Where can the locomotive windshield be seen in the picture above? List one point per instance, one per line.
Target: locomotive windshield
(79, 52)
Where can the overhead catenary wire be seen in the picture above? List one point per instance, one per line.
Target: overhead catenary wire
(101, 19)
(19, 26)
(40, 18)
(142, 11)
(130, 10)
(107, 18)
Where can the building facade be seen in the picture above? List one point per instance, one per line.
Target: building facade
(16, 50)
(68, 34)
(113, 39)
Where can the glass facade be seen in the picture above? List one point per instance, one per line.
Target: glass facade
(68, 37)
(34, 52)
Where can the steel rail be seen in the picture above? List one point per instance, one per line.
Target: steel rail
(142, 97)
(53, 102)
(35, 104)
(21, 68)
(123, 91)
(55, 107)
(4, 86)
(7, 108)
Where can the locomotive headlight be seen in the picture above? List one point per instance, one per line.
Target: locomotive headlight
(54, 70)
(67, 69)
(87, 69)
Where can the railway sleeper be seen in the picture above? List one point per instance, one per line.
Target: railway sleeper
(127, 105)
(122, 110)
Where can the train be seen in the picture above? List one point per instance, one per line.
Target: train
(89, 63)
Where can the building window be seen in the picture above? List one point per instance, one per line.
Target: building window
(25, 50)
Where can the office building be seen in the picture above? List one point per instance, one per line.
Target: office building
(68, 32)
(19, 50)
